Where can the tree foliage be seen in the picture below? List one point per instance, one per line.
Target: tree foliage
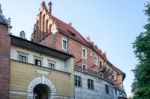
(141, 84)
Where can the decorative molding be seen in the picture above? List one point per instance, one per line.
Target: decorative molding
(18, 93)
(42, 72)
(41, 80)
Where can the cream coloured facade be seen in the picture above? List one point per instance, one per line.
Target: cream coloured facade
(26, 75)
(31, 55)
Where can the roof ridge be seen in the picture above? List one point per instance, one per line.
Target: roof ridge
(73, 30)
(70, 27)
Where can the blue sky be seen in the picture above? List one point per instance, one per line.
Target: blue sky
(111, 24)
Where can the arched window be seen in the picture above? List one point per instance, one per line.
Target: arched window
(50, 27)
(40, 21)
(40, 27)
(35, 36)
(37, 27)
(46, 27)
(43, 23)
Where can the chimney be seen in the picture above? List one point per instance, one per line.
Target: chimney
(22, 35)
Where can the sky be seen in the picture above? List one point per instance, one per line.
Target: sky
(112, 24)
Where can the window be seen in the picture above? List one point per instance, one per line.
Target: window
(51, 64)
(23, 57)
(84, 53)
(84, 68)
(64, 44)
(78, 81)
(115, 91)
(96, 60)
(38, 61)
(106, 89)
(118, 92)
(90, 84)
(100, 65)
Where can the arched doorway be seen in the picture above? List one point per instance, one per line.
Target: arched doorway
(41, 87)
(41, 91)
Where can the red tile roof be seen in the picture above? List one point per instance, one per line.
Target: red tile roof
(69, 31)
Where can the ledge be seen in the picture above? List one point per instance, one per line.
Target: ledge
(42, 67)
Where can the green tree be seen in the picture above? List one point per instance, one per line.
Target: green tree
(141, 84)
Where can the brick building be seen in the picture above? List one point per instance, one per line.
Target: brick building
(90, 75)
(95, 75)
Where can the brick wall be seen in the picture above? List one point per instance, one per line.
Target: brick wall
(54, 39)
(75, 48)
(48, 41)
(45, 21)
(4, 63)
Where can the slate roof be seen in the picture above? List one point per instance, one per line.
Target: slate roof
(3, 20)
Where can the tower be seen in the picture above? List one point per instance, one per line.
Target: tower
(4, 56)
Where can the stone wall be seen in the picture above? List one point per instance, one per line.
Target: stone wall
(99, 88)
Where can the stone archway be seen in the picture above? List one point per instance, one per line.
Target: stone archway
(44, 81)
(41, 91)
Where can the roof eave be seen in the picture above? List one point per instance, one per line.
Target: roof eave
(23, 43)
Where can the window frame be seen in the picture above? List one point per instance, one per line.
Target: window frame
(39, 59)
(64, 39)
(86, 68)
(84, 57)
(23, 55)
(90, 84)
(100, 65)
(77, 81)
(51, 62)
(106, 89)
(96, 60)
(115, 91)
